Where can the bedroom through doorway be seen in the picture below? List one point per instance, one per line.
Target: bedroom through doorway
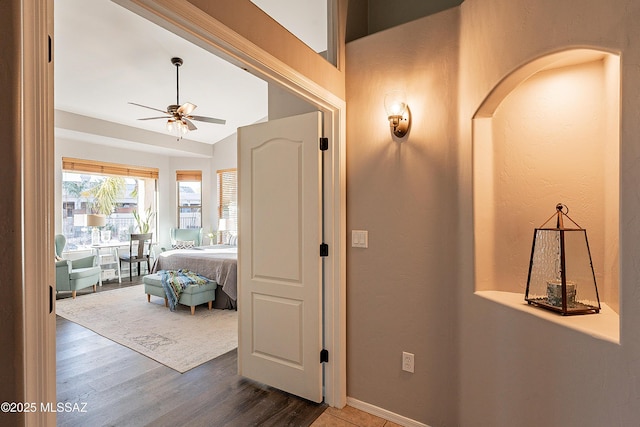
(285, 102)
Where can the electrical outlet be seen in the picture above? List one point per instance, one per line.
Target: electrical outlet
(407, 361)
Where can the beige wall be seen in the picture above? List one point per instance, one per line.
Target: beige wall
(402, 290)
(547, 145)
(515, 368)
(370, 16)
(478, 362)
(385, 14)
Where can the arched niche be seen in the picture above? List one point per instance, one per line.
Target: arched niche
(548, 133)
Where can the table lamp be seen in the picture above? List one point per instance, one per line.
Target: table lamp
(94, 221)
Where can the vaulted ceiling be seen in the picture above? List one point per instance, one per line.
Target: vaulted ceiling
(105, 57)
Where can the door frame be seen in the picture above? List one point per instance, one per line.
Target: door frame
(186, 20)
(191, 23)
(32, 260)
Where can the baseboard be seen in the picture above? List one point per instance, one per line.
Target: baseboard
(383, 413)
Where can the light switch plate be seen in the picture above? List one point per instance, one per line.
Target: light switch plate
(359, 239)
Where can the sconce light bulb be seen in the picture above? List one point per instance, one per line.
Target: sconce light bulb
(398, 113)
(397, 108)
(395, 102)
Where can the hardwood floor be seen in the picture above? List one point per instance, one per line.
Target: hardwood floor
(117, 386)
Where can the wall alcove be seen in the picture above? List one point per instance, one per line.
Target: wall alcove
(549, 133)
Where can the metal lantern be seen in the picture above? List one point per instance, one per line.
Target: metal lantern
(561, 276)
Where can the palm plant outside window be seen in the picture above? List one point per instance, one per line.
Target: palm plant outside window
(117, 195)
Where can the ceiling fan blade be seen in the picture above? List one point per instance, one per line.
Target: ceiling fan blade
(151, 108)
(189, 123)
(186, 108)
(153, 118)
(208, 119)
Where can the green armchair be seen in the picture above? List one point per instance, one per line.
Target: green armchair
(77, 274)
(185, 235)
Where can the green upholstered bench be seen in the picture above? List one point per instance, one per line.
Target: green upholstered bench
(192, 295)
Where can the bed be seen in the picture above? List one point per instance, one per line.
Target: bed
(217, 262)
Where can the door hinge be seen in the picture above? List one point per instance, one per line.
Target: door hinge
(50, 47)
(324, 355)
(324, 249)
(324, 144)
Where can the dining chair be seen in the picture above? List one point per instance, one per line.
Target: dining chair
(139, 251)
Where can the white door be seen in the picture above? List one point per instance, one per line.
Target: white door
(279, 264)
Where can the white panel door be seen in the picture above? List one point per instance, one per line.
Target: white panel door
(279, 264)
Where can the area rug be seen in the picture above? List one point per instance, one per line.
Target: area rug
(176, 339)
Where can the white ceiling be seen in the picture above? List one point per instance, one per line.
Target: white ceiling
(106, 56)
(305, 19)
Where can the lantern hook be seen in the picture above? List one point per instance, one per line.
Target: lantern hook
(561, 212)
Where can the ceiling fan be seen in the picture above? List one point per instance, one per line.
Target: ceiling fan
(179, 117)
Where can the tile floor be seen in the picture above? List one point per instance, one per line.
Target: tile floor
(350, 417)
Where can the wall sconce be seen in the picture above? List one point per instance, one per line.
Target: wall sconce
(395, 103)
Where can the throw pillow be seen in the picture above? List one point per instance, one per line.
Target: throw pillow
(183, 244)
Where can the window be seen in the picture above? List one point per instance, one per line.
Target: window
(227, 204)
(189, 199)
(311, 21)
(113, 190)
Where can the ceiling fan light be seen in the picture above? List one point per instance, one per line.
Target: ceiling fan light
(179, 118)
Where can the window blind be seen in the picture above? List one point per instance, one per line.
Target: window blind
(189, 176)
(228, 200)
(104, 168)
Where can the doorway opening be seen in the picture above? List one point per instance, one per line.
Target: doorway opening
(316, 98)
